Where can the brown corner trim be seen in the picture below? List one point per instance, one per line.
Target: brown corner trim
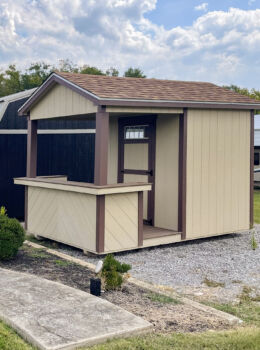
(26, 208)
(101, 147)
(182, 173)
(31, 162)
(251, 216)
(140, 219)
(31, 168)
(100, 224)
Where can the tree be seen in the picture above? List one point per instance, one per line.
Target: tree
(113, 72)
(253, 93)
(11, 81)
(35, 75)
(90, 70)
(134, 73)
(67, 66)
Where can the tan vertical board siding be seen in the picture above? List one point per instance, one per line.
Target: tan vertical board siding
(136, 156)
(66, 217)
(166, 172)
(218, 172)
(121, 221)
(139, 178)
(61, 101)
(113, 150)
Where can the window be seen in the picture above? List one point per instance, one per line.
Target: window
(135, 132)
(256, 158)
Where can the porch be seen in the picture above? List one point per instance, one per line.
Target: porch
(97, 219)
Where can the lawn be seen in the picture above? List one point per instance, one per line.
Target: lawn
(240, 339)
(257, 206)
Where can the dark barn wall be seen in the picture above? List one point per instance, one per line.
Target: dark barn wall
(68, 154)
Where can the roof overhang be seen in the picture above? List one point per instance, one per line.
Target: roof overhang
(55, 78)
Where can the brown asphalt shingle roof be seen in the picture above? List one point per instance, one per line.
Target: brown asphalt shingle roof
(154, 89)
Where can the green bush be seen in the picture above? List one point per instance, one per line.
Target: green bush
(12, 236)
(112, 271)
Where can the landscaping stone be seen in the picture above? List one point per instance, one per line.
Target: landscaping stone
(54, 316)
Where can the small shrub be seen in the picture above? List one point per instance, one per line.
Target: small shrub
(112, 271)
(12, 236)
(3, 211)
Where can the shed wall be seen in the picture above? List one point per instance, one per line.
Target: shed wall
(218, 172)
(61, 101)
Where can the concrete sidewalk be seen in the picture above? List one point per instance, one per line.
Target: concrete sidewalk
(52, 316)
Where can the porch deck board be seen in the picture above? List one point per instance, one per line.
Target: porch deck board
(156, 232)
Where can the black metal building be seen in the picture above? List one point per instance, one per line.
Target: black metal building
(64, 147)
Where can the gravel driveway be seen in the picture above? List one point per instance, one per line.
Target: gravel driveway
(228, 259)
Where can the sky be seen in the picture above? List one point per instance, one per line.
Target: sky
(216, 41)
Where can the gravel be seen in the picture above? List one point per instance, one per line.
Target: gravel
(228, 259)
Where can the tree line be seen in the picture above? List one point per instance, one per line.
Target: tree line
(13, 80)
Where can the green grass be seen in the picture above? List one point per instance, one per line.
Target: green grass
(214, 284)
(257, 206)
(9, 340)
(248, 308)
(242, 339)
(239, 339)
(37, 253)
(163, 299)
(63, 262)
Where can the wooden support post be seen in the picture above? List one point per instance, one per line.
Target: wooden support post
(101, 147)
(100, 224)
(140, 219)
(182, 173)
(31, 167)
(251, 215)
(101, 170)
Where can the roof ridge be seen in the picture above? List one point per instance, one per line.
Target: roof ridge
(135, 78)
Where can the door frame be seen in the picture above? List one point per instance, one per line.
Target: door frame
(139, 120)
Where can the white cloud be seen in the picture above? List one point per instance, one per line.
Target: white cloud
(202, 7)
(220, 46)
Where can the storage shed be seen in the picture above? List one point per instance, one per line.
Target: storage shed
(66, 146)
(173, 161)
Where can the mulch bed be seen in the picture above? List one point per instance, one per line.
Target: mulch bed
(165, 315)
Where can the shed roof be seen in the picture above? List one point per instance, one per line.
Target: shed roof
(154, 89)
(5, 100)
(106, 90)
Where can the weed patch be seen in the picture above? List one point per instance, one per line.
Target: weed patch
(164, 299)
(214, 284)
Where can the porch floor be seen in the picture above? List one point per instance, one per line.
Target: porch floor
(156, 232)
